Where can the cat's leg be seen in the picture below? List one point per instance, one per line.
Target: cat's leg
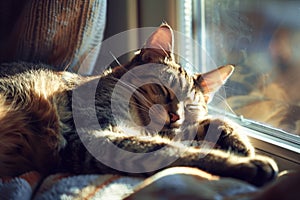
(155, 153)
(87, 153)
(226, 135)
(257, 170)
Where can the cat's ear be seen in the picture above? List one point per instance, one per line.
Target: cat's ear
(211, 82)
(159, 45)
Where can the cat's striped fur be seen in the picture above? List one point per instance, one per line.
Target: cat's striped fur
(37, 129)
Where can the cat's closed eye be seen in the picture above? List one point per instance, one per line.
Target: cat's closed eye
(192, 107)
(161, 99)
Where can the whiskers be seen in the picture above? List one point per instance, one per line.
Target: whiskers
(124, 86)
(141, 107)
(143, 103)
(115, 58)
(128, 71)
(219, 101)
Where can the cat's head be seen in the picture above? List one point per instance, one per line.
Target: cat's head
(165, 96)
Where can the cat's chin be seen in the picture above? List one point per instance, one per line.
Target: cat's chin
(174, 125)
(171, 128)
(170, 131)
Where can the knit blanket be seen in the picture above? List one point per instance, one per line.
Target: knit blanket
(172, 183)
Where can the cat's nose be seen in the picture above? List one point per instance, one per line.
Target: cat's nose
(173, 117)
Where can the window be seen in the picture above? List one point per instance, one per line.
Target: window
(262, 39)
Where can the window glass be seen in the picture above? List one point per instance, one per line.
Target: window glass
(262, 39)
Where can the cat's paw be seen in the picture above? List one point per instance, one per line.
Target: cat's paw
(259, 170)
(226, 135)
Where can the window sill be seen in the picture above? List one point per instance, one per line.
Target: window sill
(285, 153)
(283, 147)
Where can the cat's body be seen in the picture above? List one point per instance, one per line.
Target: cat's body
(39, 109)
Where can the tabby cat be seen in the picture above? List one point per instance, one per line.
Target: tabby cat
(38, 129)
